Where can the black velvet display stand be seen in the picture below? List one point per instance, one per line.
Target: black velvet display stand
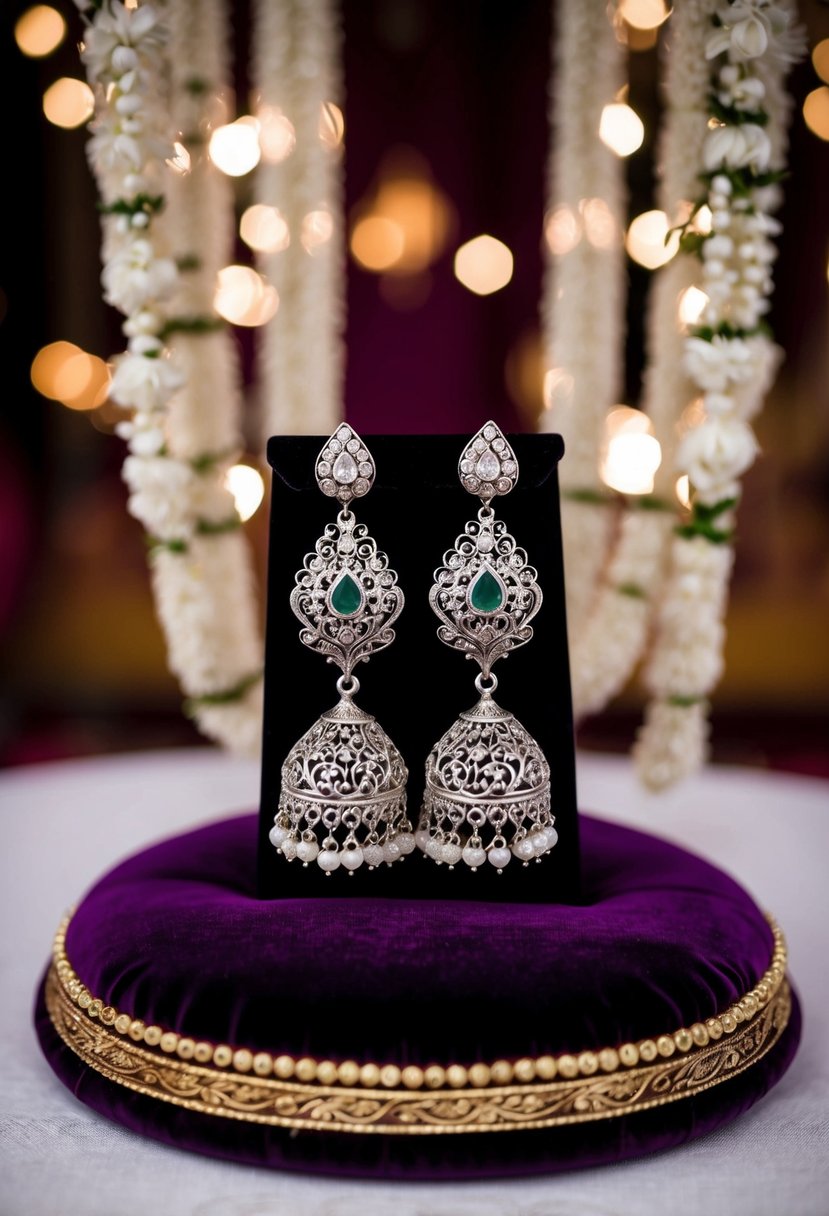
(417, 687)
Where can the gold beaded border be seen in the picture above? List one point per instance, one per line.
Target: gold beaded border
(289, 1104)
(242, 1061)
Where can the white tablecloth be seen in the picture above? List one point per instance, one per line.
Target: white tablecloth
(63, 824)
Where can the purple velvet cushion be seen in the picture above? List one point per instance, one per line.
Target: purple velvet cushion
(176, 936)
(662, 939)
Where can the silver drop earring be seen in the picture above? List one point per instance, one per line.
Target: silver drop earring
(343, 797)
(487, 795)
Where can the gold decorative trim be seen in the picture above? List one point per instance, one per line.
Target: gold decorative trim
(328, 1108)
(346, 1096)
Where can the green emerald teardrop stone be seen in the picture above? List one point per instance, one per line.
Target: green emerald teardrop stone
(486, 593)
(346, 597)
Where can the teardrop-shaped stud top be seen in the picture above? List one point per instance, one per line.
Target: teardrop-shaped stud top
(488, 467)
(345, 467)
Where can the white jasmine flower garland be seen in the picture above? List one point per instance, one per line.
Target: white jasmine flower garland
(184, 393)
(730, 359)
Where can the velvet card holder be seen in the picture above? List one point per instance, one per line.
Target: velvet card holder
(417, 687)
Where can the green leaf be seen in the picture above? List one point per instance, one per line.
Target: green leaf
(632, 590)
(596, 497)
(225, 696)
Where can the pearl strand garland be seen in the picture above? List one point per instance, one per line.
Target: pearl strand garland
(583, 286)
(607, 648)
(731, 362)
(296, 69)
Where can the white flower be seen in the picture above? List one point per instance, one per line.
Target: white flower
(116, 26)
(747, 93)
(717, 452)
(737, 147)
(134, 276)
(717, 364)
(144, 384)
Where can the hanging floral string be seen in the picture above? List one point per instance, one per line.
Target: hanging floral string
(611, 641)
(296, 69)
(582, 308)
(730, 359)
(179, 440)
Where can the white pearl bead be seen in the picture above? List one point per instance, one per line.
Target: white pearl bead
(552, 838)
(473, 857)
(434, 849)
(307, 850)
(540, 841)
(499, 858)
(524, 849)
(288, 848)
(328, 860)
(421, 839)
(373, 855)
(450, 853)
(405, 842)
(277, 835)
(391, 851)
(351, 859)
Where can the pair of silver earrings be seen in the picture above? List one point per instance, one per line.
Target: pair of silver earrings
(343, 797)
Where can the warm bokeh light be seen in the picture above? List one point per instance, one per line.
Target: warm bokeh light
(277, 137)
(621, 129)
(243, 297)
(703, 220)
(630, 453)
(692, 416)
(264, 229)
(558, 387)
(234, 148)
(524, 376)
(691, 305)
(39, 31)
(247, 487)
(682, 489)
(317, 229)
(624, 420)
(639, 40)
(820, 59)
(331, 124)
(63, 372)
(406, 201)
(599, 225)
(562, 230)
(483, 265)
(377, 242)
(816, 112)
(180, 160)
(646, 240)
(644, 14)
(68, 102)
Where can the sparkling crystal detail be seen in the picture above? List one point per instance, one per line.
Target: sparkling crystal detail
(345, 469)
(487, 592)
(346, 596)
(488, 467)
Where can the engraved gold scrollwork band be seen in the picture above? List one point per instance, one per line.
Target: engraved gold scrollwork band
(440, 1099)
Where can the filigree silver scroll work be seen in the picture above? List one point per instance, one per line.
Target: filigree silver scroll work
(487, 796)
(343, 797)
